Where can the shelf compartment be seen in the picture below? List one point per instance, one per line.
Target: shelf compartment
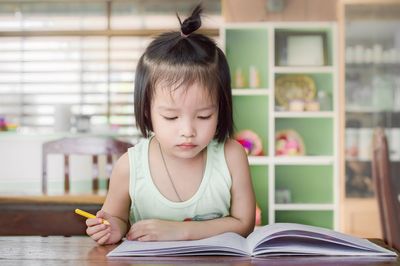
(307, 184)
(260, 184)
(323, 82)
(251, 112)
(326, 32)
(246, 47)
(317, 142)
(316, 218)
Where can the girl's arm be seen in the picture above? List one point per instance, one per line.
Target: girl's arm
(242, 212)
(115, 208)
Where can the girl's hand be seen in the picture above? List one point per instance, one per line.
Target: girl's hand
(156, 230)
(101, 233)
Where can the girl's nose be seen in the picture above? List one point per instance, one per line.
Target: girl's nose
(187, 129)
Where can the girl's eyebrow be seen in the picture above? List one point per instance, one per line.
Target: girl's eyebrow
(171, 109)
(207, 108)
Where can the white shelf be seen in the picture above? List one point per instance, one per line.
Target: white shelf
(292, 69)
(291, 160)
(305, 114)
(259, 160)
(365, 160)
(358, 160)
(248, 91)
(303, 160)
(365, 109)
(304, 207)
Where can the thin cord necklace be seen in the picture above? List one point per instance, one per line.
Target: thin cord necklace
(169, 175)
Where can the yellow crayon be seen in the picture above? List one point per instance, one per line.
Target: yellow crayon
(89, 215)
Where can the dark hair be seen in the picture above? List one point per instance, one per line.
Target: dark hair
(181, 59)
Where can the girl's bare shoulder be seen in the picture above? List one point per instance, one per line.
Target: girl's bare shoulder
(235, 155)
(234, 149)
(121, 167)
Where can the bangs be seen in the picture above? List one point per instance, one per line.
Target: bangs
(173, 77)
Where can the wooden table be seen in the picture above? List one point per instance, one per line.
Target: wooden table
(46, 215)
(81, 250)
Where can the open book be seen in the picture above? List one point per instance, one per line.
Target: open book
(271, 240)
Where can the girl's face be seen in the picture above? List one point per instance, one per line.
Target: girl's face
(184, 120)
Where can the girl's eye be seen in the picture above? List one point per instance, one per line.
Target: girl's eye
(170, 117)
(205, 117)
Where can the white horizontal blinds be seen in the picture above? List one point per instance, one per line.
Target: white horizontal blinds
(10, 76)
(124, 55)
(41, 72)
(54, 53)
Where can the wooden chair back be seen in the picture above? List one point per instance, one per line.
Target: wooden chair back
(388, 201)
(92, 146)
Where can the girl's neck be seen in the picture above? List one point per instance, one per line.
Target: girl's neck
(171, 173)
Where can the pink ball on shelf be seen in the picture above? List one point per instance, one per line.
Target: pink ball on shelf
(250, 141)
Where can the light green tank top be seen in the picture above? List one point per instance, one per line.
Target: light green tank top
(212, 199)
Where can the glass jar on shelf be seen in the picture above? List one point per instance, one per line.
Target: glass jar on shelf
(325, 100)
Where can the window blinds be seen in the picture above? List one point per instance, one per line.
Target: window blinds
(80, 55)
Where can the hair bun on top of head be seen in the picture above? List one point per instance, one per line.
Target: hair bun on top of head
(192, 23)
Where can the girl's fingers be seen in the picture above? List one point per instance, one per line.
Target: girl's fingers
(104, 239)
(95, 229)
(103, 214)
(130, 235)
(93, 221)
(136, 231)
(135, 235)
(146, 238)
(98, 235)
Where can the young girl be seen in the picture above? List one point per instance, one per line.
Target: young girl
(187, 180)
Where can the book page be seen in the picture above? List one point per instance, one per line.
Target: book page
(309, 239)
(309, 246)
(224, 244)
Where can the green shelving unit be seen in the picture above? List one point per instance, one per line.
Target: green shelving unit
(302, 188)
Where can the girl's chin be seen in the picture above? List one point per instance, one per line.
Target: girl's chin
(186, 153)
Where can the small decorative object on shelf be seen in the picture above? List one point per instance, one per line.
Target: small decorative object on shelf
(351, 146)
(283, 195)
(250, 141)
(301, 48)
(312, 106)
(254, 77)
(324, 100)
(6, 125)
(296, 105)
(3, 125)
(239, 78)
(365, 143)
(294, 87)
(289, 143)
